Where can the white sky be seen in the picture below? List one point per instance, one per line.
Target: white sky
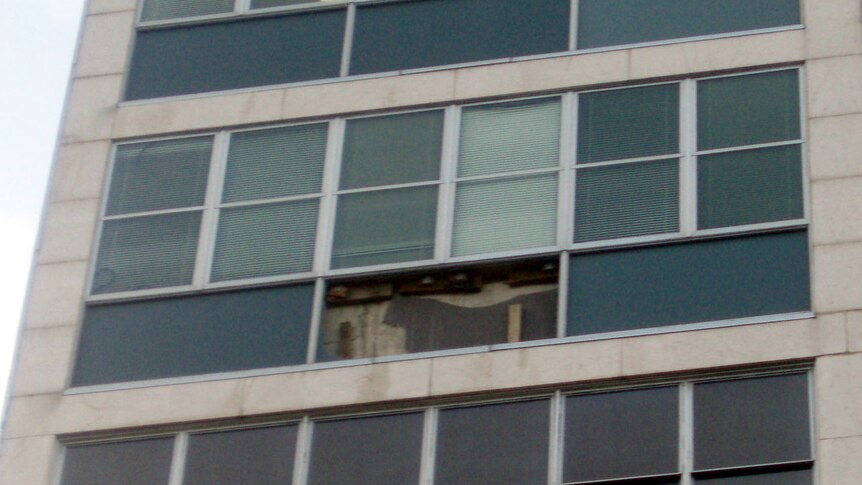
(37, 39)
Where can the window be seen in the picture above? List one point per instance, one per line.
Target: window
(303, 40)
(455, 227)
(744, 429)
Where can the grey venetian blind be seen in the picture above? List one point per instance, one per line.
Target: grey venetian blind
(173, 9)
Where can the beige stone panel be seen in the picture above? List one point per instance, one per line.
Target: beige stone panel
(835, 210)
(839, 461)
(835, 86)
(91, 108)
(29, 461)
(105, 44)
(337, 387)
(832, 27)
(729, 346)
(44, 359)
(80, 171)
(45, 414)
(837, 273)
(854, 331)
(201, 113)
(520, 368)
(838, 394)
(104, 6)
(56, 294)
(718, 54)
(835, 146)
(68, 231)
(380, 93)
(541, 74)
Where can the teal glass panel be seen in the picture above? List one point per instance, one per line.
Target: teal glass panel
(749, 187)
(192, 335)
(748, 109)
(174, 9)
(628, 123)
(395, 149)
(603, 23)
(139, 462)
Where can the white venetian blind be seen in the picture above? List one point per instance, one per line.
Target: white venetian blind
(174, 9)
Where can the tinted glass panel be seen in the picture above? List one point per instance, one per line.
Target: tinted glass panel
(142, 462)
(172, 9)
(794, 477)
(192, 335)
(260, 456)
(239, 54)
(621, 434)
(437, 32)
(389, 150)
(685, 283)
(616, 22)
(628, 123)
(751, 421)
(380, 450)
(159, 175)
(749, 186)
(280, 3)
(500, 444)
(386, 226)
(744, 110)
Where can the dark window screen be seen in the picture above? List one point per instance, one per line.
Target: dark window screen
(499, 444)
(262, 456)
(192, 335)
(141, 462)
(692, 282)
(380, 450)
(416, 34)
(239, 54)
(603, 23)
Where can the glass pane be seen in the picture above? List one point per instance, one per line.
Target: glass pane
(503, 137)
(265, 240)
(751, 421)
(280, 3)
(745, 110)
(628, 123)
(207, 57)
(617, 22)
(275, 163)
(262, 456)
(498, 444)
(438, 310)
(686, 283)
(408, 35)
(633, 199)
(793, 477)
(388, 226)
(174, 9)
(191, 335)
(379, 450)
(621, 434)
(160, 175)
(505, 215)
(147, 252)
(749, 187)
(142, 462)
(395, 149)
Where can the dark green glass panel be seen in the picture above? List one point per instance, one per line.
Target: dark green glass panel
(750, 186)
(192, 335)
(792, 477)
(238, 54)
(686, 283)
(388, 150)
(141, 462)
(603, 23)
(751, 421)
(497, 444)
(628, 123)
(262, 456)
(621, 434)
(746, 110)
(407, 35)
(378, 450)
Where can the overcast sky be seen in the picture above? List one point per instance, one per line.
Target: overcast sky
(37, 39)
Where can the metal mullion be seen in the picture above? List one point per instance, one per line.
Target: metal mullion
(566, 188)
(347, 45)
(303, 451)
(448, 186)
(178, 460)
(429, 446)
(509, 174)
(268, 201)
(688, 159)
(137, 215)
(756, 146)
(556, 439)
(563, 293)
(378, 188)
(316, 318)
(241, 6)
(210, 214)
(326, 217)
(573, 25)
(626, 161)
(803, 132)
(686, 431)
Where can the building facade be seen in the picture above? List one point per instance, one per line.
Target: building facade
(450, 242)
